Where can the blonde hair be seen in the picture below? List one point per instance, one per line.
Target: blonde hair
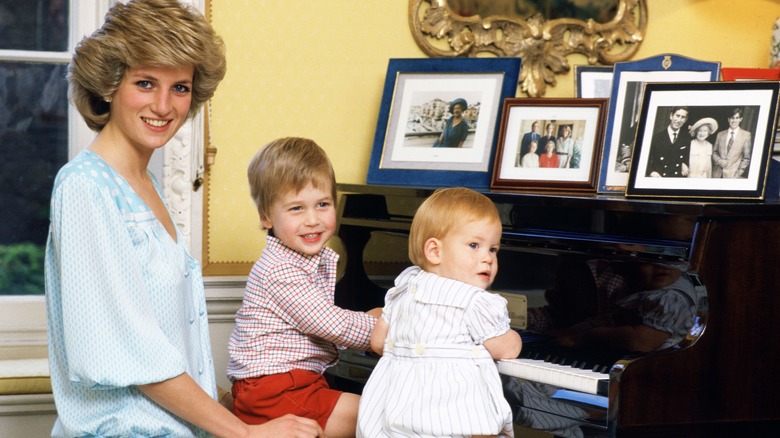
(144, 33)
(441, 212)
(288, 164)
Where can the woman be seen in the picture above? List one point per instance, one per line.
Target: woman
(564, 147)
(549, 158)
(456, 128)
(530, 159)
(548, 136)
(700, 163)
(129, 347)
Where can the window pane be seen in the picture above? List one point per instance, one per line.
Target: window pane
(33, 146)
(39, 25)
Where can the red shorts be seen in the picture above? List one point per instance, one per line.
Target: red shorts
(299, 392)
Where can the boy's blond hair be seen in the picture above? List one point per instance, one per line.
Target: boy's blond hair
(288, 164)
(443, 210)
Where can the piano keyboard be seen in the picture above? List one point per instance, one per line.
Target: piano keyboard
(562, 376)
(584, 370)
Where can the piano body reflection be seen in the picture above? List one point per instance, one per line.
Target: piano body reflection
(720, 379)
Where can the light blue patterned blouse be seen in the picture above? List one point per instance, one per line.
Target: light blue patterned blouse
(125, 306)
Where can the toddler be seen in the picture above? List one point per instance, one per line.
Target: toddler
(441, 331)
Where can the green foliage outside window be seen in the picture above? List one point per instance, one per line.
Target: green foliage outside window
(21, 269)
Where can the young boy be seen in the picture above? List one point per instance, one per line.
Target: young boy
(288, 329)
(441, 331)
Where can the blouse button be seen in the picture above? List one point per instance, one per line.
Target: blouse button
(419, 349)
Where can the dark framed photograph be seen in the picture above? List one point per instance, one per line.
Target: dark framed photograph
(704, 140)
(624, 105)
(549, 144)
(593, 81)
(438, 121)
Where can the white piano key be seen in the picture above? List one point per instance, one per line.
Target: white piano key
(562, 376)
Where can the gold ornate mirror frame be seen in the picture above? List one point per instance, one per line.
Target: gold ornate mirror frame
(542, 44)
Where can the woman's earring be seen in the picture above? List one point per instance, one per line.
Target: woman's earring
(107, 99)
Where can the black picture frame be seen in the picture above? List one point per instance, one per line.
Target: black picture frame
(624, 108)
(736, 172)
(403, 157)
(593, 81)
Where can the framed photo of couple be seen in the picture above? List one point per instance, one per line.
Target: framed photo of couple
(703, 140)
(549, 144)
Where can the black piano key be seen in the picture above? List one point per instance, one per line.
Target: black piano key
(566, 361)
(602, 388)
(540, 347)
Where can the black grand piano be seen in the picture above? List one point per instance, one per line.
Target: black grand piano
(722, 379)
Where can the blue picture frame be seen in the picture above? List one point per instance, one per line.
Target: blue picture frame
(628, 81)
(402, 157)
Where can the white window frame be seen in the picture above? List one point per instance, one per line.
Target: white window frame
(23, 318)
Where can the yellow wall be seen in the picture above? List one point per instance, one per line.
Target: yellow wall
(316, 69)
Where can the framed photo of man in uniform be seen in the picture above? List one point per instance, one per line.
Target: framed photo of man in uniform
(704, 140)
(624, 108)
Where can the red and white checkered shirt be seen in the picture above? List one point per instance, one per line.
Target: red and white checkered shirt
(288, 319)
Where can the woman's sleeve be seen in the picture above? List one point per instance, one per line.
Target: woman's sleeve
(487, 316)
(111, 335)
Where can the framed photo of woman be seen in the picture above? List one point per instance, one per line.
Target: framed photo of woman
(438, 121)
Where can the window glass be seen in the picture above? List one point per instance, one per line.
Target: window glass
(33, 137)
(34, 25)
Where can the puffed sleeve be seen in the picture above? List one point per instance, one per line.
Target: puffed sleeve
(401, 284)
(111, 335)
(670, 309)
(487, 316)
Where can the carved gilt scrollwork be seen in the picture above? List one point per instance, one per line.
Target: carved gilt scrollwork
(542, 44)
